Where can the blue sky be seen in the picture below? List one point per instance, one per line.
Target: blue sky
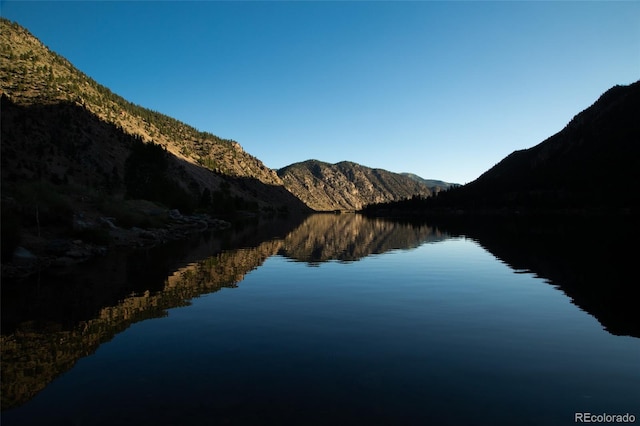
(441, 89)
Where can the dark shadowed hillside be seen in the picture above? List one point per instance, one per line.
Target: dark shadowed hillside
(75, 157)
(346, 185)
(33, 75)
(58, 124)
(593, 164)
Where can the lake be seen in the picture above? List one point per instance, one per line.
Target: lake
(334, 319)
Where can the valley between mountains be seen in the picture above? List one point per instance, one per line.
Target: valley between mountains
(81, 162)
(84, 169)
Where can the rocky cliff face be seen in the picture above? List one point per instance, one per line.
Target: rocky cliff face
(346, 185)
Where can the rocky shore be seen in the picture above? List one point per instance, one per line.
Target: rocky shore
(95, 236)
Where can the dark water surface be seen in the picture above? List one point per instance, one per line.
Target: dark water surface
(340, 320)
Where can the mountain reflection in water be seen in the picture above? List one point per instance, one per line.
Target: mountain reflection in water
(350, 237)
(591, 259)
(51, 322)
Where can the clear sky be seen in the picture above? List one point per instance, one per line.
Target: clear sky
(441, 89)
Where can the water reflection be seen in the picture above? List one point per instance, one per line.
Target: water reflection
(51, 322)
(592, 260)
(48, 324)
(350, 237)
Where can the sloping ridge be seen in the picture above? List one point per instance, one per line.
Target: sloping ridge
(594, 162)
(39, 86)
(346, 185)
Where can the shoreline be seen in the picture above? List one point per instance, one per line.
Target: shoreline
(47, 249)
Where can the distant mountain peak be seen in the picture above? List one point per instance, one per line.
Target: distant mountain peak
(434, 184)
(347, 185)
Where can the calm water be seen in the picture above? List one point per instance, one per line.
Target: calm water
(342, 320)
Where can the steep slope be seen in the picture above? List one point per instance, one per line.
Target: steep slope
(58, 122)
(346, 185)
(592, 165)
(593, 162)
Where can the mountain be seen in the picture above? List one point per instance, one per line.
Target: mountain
(79, 160)
(592, 165)
(59, 124)
(594, 162)
(71, 148)
(34, 75)
(433, 184)
(346, 185)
